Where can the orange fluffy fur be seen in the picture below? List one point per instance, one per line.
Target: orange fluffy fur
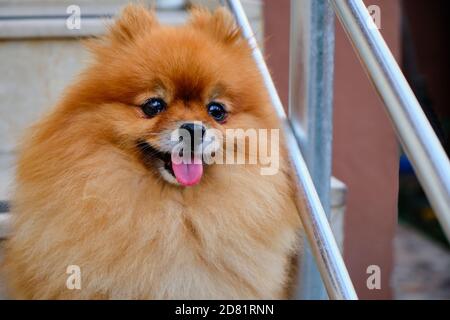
(83, 196)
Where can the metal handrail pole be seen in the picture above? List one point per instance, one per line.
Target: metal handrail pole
(415, 133)
(331, 265)
(311, 55)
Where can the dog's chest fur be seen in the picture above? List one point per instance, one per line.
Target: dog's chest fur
(231, 243)
(220, 240)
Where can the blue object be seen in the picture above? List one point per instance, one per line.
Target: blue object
(405, 166)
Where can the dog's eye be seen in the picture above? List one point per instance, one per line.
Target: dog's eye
(217, 111)
(153, 106)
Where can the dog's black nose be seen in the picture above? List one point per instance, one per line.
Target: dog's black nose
(196, 132)
(195, 129)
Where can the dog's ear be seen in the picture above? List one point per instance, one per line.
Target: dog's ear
(220, 24)
(134, 20)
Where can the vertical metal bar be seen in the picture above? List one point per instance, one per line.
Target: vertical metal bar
(310, 110)
(317, 228)
(423, 148)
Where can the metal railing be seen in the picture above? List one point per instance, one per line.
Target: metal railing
(415, 133)
(413, 129)
(311, 112)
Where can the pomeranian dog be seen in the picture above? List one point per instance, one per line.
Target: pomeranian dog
(99, 196)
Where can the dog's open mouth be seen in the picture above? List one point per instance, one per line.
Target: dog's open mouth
(186, 173)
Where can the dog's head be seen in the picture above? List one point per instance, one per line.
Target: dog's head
(153, 86)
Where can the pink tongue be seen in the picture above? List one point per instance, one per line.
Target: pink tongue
(188, 174)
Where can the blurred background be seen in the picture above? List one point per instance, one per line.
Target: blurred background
(380, 214)
(381, 186)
